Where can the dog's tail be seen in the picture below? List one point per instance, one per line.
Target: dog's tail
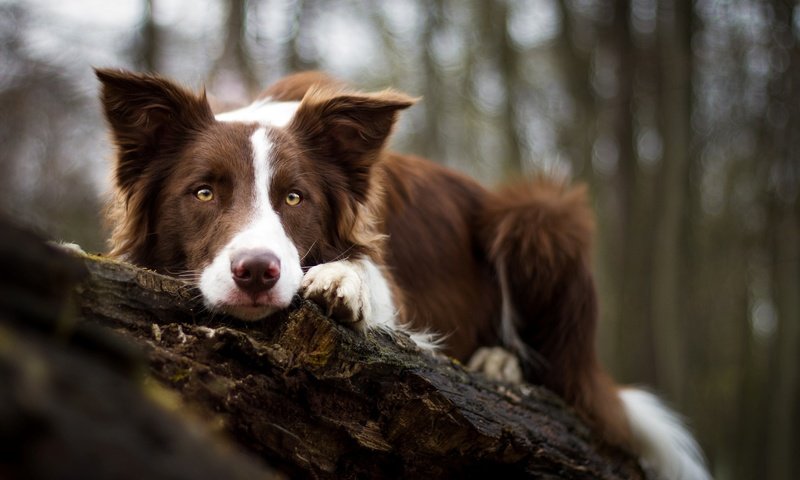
(662, 441)
(538, 237)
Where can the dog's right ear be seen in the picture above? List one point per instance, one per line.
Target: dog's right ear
(149, 116)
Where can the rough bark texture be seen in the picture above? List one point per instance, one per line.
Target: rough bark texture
(315, 399)
(74, 400)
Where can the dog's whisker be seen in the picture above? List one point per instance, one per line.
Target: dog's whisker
(344, 255)
(307, 252)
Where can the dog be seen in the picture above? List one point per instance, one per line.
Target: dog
(296, 194)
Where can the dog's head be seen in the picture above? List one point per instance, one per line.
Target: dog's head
(241, 202)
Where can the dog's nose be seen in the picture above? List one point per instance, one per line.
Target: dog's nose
(255, 271)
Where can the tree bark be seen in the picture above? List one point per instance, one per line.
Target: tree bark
(147, 47)
(315, 399)
(235, 55)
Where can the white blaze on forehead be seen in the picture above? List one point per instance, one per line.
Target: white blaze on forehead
(264, 112)
(265, 229)
(261, 173)
(262, 231)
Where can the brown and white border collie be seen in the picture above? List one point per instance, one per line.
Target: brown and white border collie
(296, 195)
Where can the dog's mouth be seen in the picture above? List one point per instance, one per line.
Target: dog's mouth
(250, 284)
(249, 312)
(249, 308)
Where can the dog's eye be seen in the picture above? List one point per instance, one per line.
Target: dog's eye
(204, 194)
(293, 198)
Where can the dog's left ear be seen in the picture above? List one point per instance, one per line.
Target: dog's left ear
(349, 129)
(149, 116)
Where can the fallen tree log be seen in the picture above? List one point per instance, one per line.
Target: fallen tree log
(312, 398)
(74, 400)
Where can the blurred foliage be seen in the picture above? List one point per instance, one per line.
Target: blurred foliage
(682, 117)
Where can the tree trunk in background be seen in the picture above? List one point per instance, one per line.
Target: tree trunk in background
(431, 137)
(675, 97)
(502, 54)
(509, 62)
(149, 41)
(577, 138)
(783, 409)
(630, 197)
(302, 14)
(236, 57)
(574, 68)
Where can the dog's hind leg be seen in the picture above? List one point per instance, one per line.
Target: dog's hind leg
(538, 236)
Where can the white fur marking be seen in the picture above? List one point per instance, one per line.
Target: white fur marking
(382, 305)
(261, 174)
(264, 112)
(664, 442)
(508, 319)
(263, 231)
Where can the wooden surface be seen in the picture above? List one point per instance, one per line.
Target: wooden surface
(75, 402)
(314, 399)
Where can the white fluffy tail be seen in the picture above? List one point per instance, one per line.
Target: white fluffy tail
(665, 445)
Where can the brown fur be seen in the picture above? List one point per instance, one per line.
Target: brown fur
(540, 234)
(447, 242)
(295, 87)
(448, 239)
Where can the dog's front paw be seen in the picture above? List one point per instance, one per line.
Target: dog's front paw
(497, 364)
(340, 290)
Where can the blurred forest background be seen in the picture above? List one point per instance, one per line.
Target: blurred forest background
(683, 117)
